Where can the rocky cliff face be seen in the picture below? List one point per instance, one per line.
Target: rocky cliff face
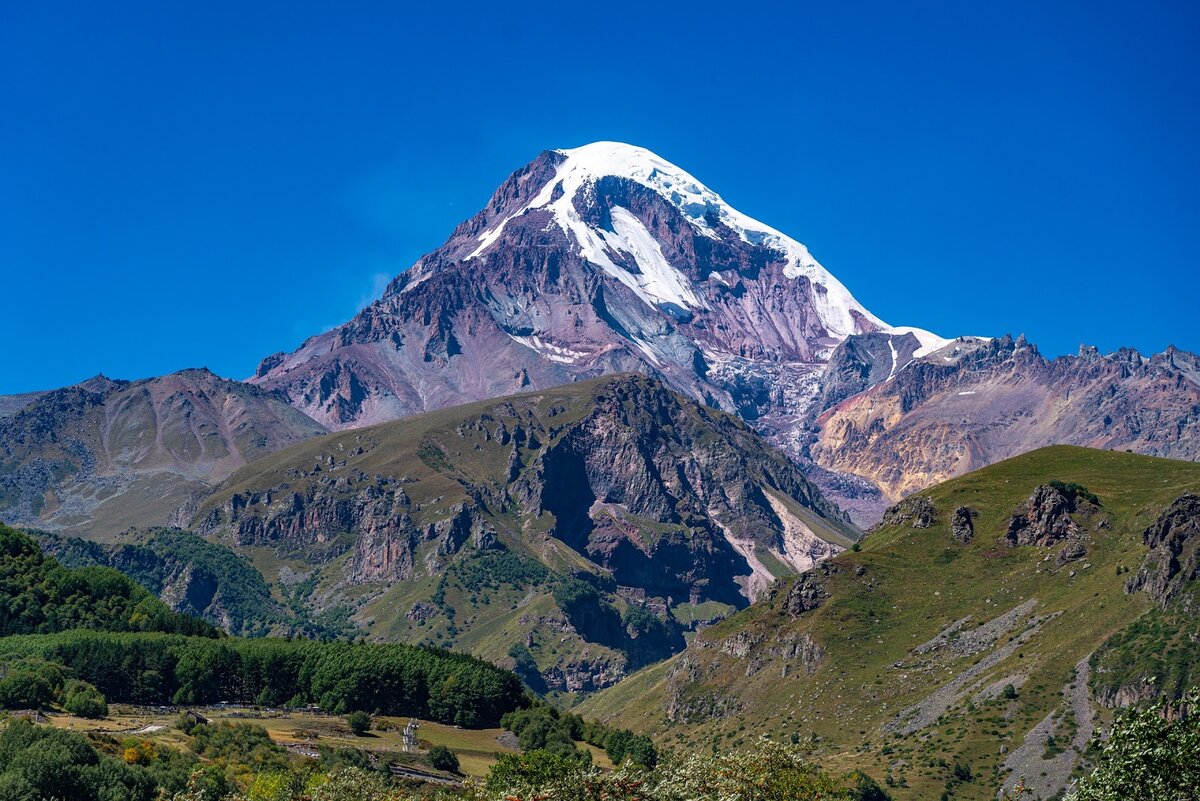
(657, 501)
(973, 403)
(106, 455)
(1174, 559)
(1045, 519)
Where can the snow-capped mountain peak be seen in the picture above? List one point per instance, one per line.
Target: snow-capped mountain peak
(660, 281)
(592, 260)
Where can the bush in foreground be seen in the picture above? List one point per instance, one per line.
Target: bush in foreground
(766, 772)
(1148, 757)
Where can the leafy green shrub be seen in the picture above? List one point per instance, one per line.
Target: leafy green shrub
(43, 762)
(532, 772)
(29, 684)
(1147, 757)
(84, 700)
(495, 569)
(238, 743)
(766, 771)
(1075, 491)
(542, 728)
(359, 722)
(443, 758)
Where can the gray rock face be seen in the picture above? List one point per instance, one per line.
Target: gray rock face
(861, 362)
(809, 590)
(1072, 551)
(962, 524)
(1174, 558)
(1044, 519)
(918, 511)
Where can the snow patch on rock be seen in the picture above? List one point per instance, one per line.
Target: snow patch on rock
(659, 282)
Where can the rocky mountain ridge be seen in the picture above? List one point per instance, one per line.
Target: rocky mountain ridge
(981, 401)
(601, 259)
(607, 258)
(104, 455)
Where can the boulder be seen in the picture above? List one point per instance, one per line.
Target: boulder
(918, 511)
(809, 591)
(962, 524)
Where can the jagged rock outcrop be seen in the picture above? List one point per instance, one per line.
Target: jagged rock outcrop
(385, 538)
(421, 611)
(585, 674)
(687, 701)
(1174, 558)
(798, 650)
(863, 361)
(916, 511)
(809, 590)
(760, 651)
(1127, 695)
(1046, 518)
(1074, 550)
(962, 523)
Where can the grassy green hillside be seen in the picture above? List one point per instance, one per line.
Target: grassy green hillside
(926, 660)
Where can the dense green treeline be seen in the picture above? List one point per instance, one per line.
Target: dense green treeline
(40, 596)
(338, 676)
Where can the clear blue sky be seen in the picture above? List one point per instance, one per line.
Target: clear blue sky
(187, 184)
